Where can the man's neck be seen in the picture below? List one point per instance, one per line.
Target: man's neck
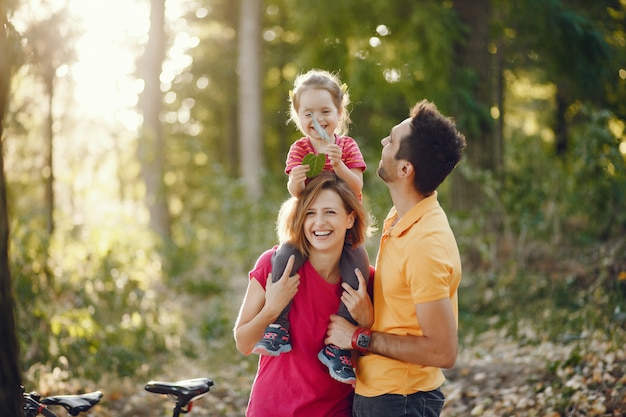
(404, 198)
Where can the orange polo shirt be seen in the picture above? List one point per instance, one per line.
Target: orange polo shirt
(418, 261)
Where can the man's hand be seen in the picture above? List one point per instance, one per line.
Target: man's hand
(340, 332)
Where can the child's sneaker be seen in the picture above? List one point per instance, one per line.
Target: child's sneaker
(274, 342)
(339, 363)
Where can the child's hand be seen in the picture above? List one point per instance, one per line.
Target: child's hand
(334, 154)
(297, 178)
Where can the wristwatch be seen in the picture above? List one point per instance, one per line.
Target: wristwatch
(361, 339)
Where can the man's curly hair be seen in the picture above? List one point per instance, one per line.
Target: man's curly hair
(434, 146)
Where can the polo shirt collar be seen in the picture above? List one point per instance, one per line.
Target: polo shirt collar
(411, 217)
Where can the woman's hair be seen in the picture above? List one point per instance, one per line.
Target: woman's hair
(290, 223)
(316, 79)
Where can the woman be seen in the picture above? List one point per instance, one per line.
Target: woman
(319, 222)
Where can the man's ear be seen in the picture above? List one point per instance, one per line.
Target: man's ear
(405, 169)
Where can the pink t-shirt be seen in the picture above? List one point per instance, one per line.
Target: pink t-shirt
(351, 154)
(297, 383)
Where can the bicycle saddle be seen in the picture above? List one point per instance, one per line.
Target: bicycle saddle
(74, 404)
(184, 391)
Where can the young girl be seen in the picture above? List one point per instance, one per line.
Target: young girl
(319, 108)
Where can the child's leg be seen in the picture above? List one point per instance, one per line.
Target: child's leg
(351, 259)
(338, 360)
(279, 263)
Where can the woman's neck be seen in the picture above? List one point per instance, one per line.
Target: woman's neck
(327, 265)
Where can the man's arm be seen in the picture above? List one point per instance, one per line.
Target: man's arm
(436, 347)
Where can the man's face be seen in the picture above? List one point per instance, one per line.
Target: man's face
(388, 166)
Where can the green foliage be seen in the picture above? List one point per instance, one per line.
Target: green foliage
(107, 298)
(92, 296)
(597, 173)
(555, 260)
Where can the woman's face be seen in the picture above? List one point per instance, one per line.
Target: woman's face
(326, 222)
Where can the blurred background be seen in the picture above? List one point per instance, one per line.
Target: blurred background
(144, 143)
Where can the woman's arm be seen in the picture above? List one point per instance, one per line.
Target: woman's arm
(252, 320)
(260, 307)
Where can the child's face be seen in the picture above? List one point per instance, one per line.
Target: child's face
(320, 103)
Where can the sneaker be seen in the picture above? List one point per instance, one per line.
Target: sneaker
(339, 363)
(274, 342)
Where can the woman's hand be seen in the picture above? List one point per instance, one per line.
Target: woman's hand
(358, 302)
(278, 294)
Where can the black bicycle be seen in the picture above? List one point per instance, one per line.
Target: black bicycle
(183, 392)
(35, 404)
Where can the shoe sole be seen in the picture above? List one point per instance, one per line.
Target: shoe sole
(261, 350)
(329, 365)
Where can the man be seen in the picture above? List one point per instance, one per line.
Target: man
(418, 270)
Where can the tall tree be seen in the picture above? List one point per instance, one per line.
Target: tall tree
(250, 67)
(50, 44)
(475, 96)
(10, 378)
(565, 46)
(151, 146)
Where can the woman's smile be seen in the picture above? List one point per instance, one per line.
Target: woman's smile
(322, 234)
(327, 221)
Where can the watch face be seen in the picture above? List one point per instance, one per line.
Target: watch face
(363, 341)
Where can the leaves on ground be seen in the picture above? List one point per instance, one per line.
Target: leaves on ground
(499, 377)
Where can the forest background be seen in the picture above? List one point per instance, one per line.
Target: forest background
(132, 210)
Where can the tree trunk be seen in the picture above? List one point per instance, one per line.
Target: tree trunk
(151, 142)
(10, 377)
(48, 172)
(473, 115)
(250, 127)
(560, 124)
(480, 89)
